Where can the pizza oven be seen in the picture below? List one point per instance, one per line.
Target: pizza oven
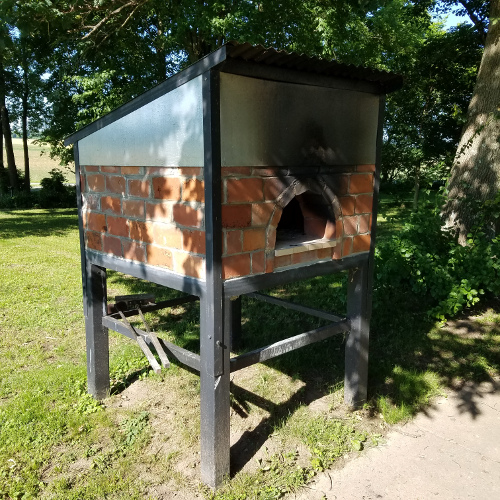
(249, 169)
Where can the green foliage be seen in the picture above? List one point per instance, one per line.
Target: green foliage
(326, 438)
(134, 426)
(426, 257)
(86, 405)
(5, 184)
(18, 200)
(424, 119)
(54, 193)
(53, 445)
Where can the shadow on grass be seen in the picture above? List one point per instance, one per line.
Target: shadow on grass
(22, 223)
(406, 349)
(251, 441)
(409, 355)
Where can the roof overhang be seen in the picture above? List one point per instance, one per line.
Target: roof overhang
(259, 62)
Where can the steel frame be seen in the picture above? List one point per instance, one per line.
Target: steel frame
(220, 321)
(220, 301)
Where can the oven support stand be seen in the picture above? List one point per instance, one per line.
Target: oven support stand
(220, 328)
(95, 297)
(356, 348)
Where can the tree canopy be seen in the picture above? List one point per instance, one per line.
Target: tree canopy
(64, 63)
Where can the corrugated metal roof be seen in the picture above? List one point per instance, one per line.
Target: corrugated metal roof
(301, 62)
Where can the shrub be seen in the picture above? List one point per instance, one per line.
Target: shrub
(54, 193)
(19, 200)
(5, 185)
(427, 259)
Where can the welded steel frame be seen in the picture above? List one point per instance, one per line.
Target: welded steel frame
(220, 301)
(214, 363)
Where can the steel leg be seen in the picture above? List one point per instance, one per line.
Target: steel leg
(356, 349)
(214, 396)
(96, 334)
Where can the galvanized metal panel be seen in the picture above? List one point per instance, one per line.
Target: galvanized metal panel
(165, 132)
(267, 123)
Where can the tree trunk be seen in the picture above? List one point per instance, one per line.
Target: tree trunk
(27, 184)
(416, 186)
(11, 162)
(2, 167)
(475, 174)
(9, 150)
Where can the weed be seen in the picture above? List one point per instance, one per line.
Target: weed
(86, 405)
(326, 438)
(134, 426)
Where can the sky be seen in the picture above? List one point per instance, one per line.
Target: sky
(453, 20)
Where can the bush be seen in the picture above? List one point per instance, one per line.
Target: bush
(427, 259)
(54, 194)
(19, 200)
(5, 185)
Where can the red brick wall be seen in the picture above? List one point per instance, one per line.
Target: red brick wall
(146, 214)
(155, 215)
(251, 212)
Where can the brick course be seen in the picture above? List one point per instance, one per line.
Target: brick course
(156, 215)
(167, 188)
(115, 184)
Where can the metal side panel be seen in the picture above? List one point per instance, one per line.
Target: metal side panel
(266, 123)
(165, 132)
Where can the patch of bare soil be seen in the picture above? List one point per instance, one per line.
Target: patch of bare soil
(65, 464)
(260, 398)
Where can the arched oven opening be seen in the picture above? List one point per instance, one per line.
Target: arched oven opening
(308, 221)
(291, 225)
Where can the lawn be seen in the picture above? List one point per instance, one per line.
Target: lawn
(40, 162)
(287, 421)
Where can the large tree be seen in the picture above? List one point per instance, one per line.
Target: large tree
(27, 45)
(476, 170)
(425, 118)
(5, 79)
(121, 48)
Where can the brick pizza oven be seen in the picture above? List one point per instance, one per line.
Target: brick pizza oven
(249, 169)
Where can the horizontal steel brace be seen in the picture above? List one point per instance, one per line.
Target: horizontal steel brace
(254, 283)
(158, 305)
(287, 345)
(295, 307)
(184, 356)
(155, 274)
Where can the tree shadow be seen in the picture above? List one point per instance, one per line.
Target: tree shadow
(404, 345)
(22, 223)
(243, 450)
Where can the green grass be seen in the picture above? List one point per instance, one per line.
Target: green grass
(40, 162)
(57, 442)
